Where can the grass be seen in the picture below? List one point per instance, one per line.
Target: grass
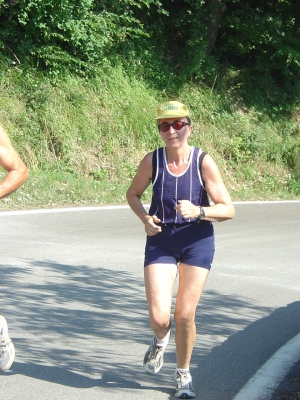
(83, 139)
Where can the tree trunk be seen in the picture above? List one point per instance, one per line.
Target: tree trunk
(216, 9)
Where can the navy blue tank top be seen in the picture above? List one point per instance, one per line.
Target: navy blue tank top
(168, 188)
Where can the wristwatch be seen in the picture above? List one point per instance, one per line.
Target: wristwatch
(201, 215)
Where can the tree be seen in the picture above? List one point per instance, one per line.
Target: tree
(215, 10)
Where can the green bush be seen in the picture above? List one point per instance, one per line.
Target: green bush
(64, 35)
(80, 82)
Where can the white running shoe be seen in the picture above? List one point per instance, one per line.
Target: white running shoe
(184, 388)
(7, 349)
(154, 357)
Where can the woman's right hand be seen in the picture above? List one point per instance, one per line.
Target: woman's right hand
(150, 225)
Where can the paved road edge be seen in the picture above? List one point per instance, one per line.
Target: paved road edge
(262, 385)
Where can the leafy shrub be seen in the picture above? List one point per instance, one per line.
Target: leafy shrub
(263, 36)
(67, 35)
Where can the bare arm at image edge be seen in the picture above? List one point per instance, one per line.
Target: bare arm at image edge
(12, 163)
(223, 207)
(139, 184)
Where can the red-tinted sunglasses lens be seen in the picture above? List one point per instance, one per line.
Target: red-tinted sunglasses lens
(177, 125)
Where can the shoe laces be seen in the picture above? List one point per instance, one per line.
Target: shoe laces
(155, 352)
(183, 379)
(2, 346)
(3, 343)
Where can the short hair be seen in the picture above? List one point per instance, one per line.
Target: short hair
(189, 120)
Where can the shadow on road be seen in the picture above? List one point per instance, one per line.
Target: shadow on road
(244, 352)
(63, 376)
(77, 326)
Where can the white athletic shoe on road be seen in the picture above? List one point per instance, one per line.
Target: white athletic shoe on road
(7, 349)
(154, 357)
(184, 388)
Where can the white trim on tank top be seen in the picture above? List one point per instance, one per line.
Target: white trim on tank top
(190, 160)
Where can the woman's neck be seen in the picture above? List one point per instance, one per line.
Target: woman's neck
(178, 157)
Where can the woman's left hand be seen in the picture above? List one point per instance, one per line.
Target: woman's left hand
(186, 209)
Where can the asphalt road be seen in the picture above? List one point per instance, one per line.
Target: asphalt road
(72, 293)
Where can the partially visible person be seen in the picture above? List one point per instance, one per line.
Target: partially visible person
(180, 235)
(17, 174)
(7, 349)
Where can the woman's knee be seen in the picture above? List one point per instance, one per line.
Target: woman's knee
(184, 319)
(158, 321)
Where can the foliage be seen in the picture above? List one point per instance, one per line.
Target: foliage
(259, 39)
(80, 81)
(68, 35)
(83, 139)
(264, 36)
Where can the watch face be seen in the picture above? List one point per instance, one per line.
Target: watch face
(202, 213)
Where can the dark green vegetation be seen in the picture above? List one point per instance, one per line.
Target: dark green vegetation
(80, 81)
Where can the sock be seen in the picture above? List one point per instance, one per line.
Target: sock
(182, 370)
(164, 341)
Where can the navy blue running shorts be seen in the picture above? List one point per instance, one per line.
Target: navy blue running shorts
(191, 244)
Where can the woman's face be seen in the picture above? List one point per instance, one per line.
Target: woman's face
(174, 137)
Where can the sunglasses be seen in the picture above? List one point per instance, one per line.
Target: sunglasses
(177, 125)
